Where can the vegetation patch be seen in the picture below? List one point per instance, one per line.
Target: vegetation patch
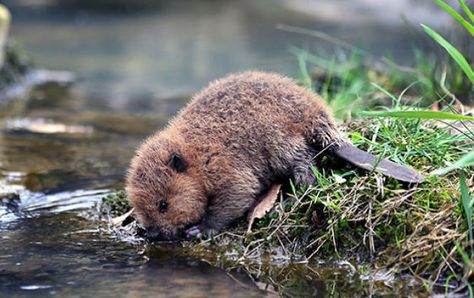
(350, 214)
(115, 204)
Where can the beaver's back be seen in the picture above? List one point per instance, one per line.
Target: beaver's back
(253, 102)
(255, 119)
(254, 106)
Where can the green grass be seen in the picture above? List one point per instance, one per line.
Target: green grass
(457, 16)
(418, 114)
(465, 161)
(349, 82)
(467, 204)
(341, 82)
(453, 52)
(461, 61)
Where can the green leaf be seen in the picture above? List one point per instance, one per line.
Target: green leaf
(417, 115)
(455, 54)
(465, 257)
(466, 161)
(395, 100)
(466, 10)
(456, 15)
(303, 65)
(467, 202)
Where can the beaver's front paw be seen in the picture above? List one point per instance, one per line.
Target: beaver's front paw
(193, 232)
(201, 232)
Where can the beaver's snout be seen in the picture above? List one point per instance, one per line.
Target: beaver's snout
(154, 234)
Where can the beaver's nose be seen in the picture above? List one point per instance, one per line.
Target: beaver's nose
(154, 234)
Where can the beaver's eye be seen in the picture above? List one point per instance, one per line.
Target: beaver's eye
(163, 206)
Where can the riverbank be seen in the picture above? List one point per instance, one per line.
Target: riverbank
(392, 234)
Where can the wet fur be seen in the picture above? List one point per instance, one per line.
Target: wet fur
(237, 137)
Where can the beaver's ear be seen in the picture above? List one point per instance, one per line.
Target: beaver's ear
(178, 163)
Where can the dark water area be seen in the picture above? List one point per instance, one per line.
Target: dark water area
(99, 266)
(63, 149)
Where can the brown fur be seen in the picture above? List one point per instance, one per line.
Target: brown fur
(237, 137)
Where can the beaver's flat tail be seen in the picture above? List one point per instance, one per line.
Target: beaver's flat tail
(368, 161)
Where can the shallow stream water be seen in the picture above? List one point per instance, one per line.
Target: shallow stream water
(63, 148)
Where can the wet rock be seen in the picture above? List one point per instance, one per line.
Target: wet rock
(10, 200)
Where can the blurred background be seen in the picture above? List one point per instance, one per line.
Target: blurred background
(124, 50)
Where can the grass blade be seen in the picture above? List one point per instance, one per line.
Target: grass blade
(465, 257)
(467, 202)
(456, 15)
(305, 76)
(455, 54)
(417, 115)
(395, 100)
(465, 161)
(466, 10)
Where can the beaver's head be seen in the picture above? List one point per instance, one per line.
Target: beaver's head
(165, 189)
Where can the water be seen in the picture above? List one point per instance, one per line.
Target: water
(62, 149)
(176, 49)
(66, 255)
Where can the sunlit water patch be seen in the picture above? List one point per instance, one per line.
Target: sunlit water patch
(18, 202)
(46, 126)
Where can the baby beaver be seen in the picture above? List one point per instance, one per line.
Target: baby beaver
(227, 147)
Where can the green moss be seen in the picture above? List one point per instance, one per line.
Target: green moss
(116, 203)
